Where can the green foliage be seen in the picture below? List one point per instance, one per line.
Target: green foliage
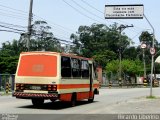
(130, 53)
(10, 48)
(146, 37)
(102, 58)
(99, 41)
(129, 67)
(8, 64)
(151, 97)
(41, 38)
(157, 66)
(112, 66)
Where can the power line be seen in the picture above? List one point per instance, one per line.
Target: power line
(61, 27)
(56, 38)
(11, 28)
(11, 31)
(38, 17)
(87, 10)
(96, 10)
(56, 29)
(13, 9)
(19, 17)
(63, 40)
(80, 12)
(10, 15)
(61, 36)
(13, 12)
(91, 12)
(67, 29)
(92, 6)
(13, 16)
(56, 26)
(103, 13)
(13, 25)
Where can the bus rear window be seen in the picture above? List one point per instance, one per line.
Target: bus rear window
(38, 65)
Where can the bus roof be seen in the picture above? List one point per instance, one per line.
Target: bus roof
(62, 54)
(39, 52)
(75, 56)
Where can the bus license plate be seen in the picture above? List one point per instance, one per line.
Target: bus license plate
(35, 87)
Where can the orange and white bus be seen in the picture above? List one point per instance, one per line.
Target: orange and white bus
(55, 76)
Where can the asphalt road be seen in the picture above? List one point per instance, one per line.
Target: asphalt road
(101, 105)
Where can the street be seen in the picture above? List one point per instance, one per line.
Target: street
(103, 104)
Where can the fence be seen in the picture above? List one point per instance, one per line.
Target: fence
(7, 78)
(111, 79)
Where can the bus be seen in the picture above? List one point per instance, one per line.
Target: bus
(55, 76)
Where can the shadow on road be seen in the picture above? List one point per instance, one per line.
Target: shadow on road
(57, 105)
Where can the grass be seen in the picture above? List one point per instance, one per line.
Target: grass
(151, 97)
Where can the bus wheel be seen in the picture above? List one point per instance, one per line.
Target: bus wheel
(91, 99)
(53, 100)
(73, 100)
(37, 102)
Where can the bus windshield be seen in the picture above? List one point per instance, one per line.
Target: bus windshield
(37, 65)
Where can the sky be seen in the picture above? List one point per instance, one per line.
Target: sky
(65, 16)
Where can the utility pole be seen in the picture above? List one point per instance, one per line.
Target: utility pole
(121, 28)
(29, 24)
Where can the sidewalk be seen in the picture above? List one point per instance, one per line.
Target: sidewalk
(140, 105)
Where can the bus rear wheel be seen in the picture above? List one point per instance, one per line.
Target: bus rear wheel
(37, 102)
(53, 100)
(91, 99)
(73, 100)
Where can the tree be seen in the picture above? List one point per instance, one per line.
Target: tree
(130, 53)
(129, 67)
(95, 40)
(10, 48)
(146, 38)
(112, 66)
(102, 58)
(132, 67)
(8, 64)
(41, 38)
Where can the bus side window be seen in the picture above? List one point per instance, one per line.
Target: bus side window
(76, 72)
(85, 69)
(65, 67)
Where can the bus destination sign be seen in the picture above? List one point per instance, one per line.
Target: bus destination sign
(124, 11)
